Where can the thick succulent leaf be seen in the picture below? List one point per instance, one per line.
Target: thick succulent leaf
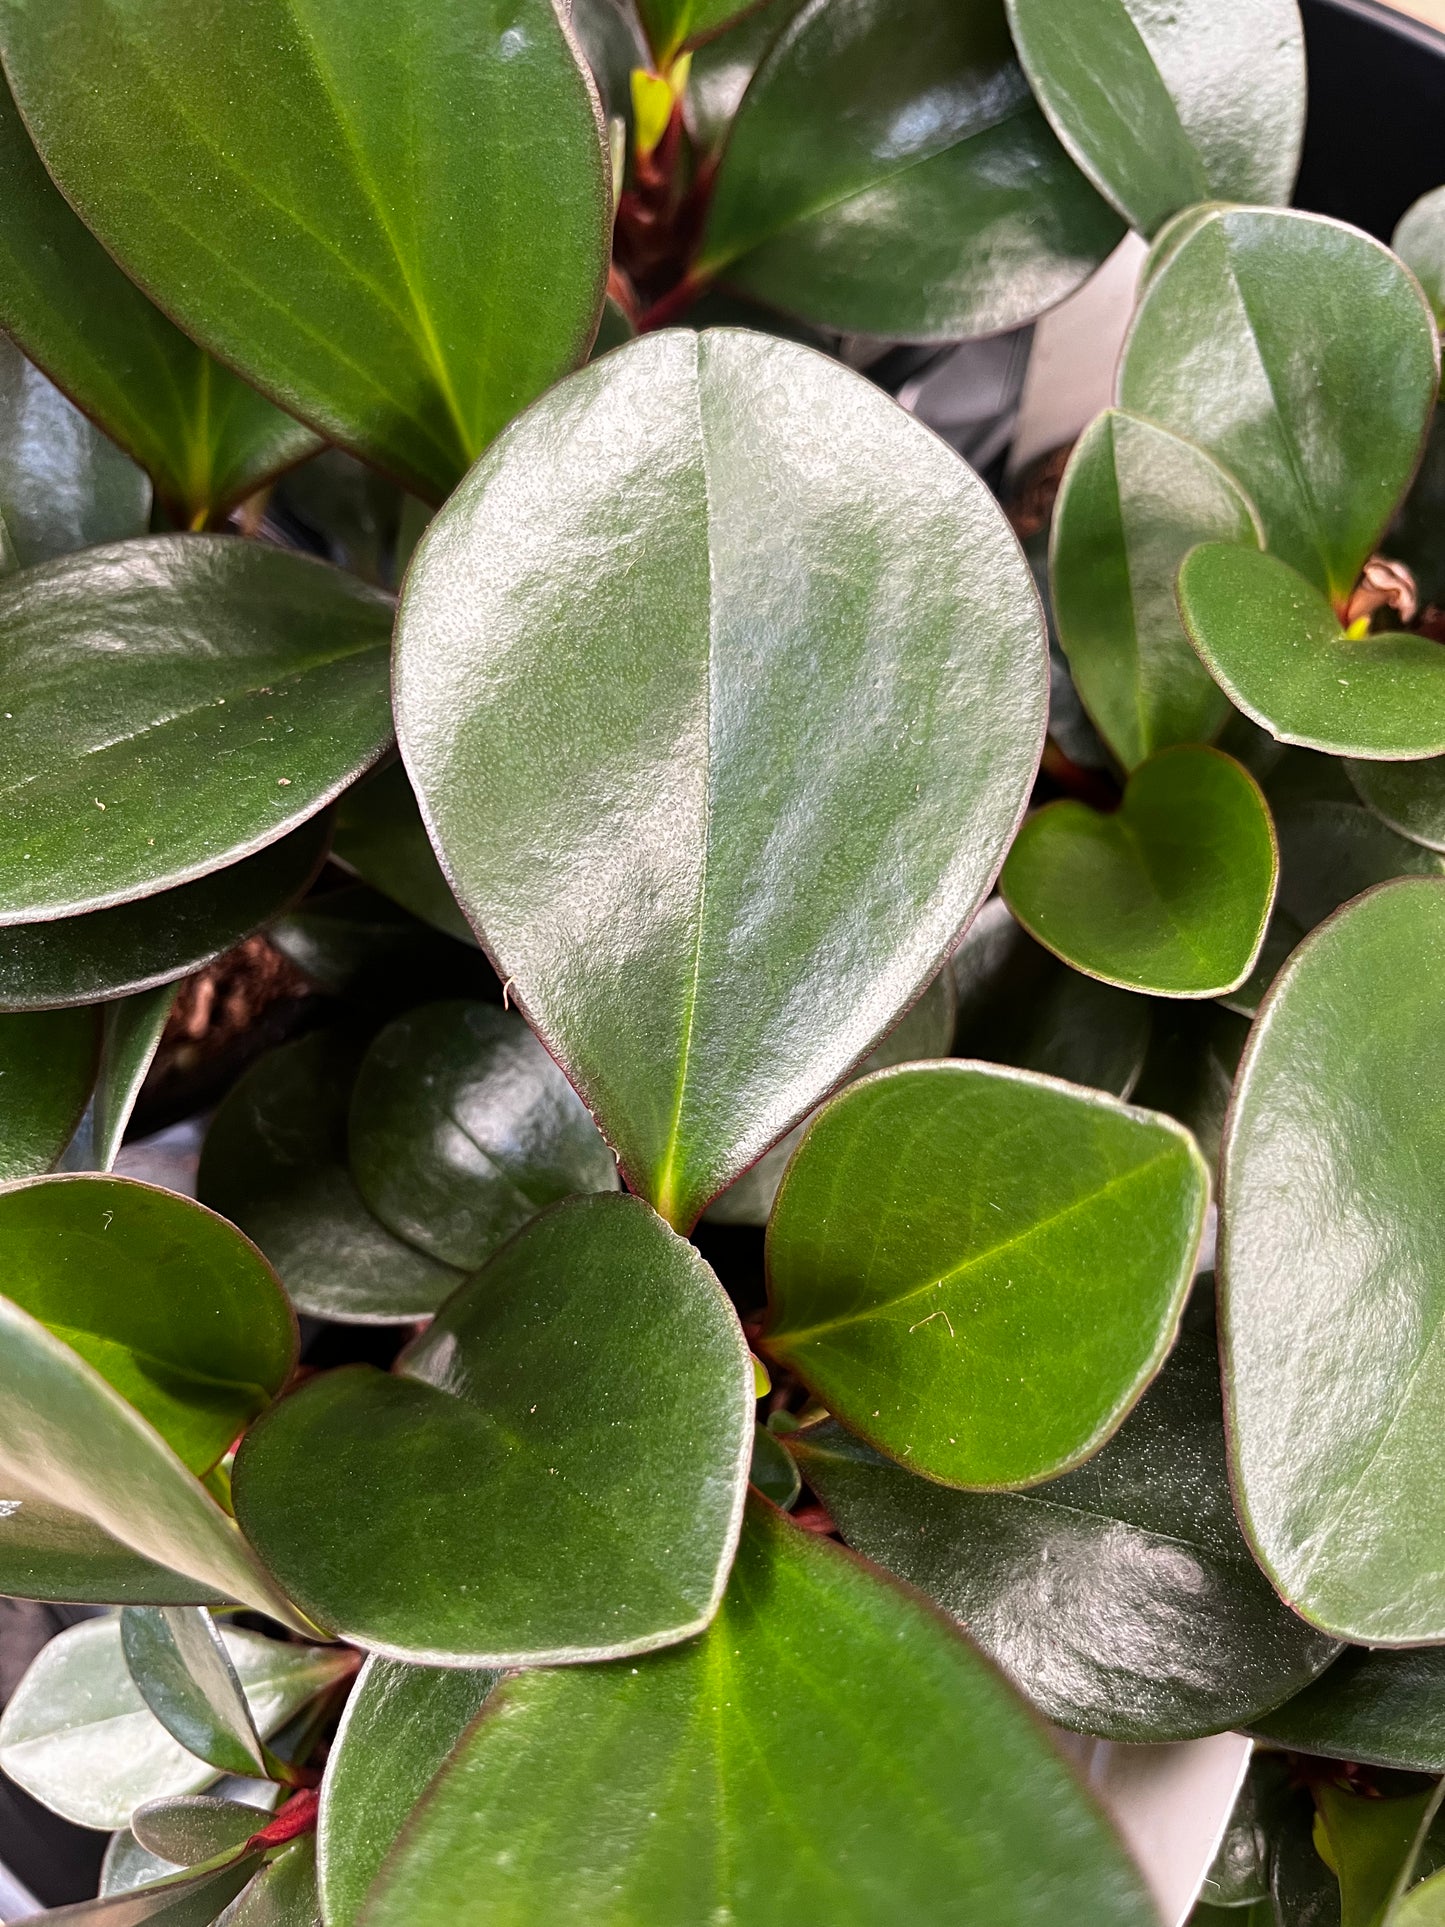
(462, 1128)
(1121, 1598)
(1164, 107)
(205, 437)
(380, 835)
(1332, 1265)
(63, 484)
(1419, 240)
(889, 173)
(49, 1553)
(400, 1725)
(1330, 852)
(1171, 893)
(48, 1062)
(1134, 500)
(941, 1223)
(1383, 1708)
(1410, 797)
(283, 1894)
(723, 66)
(133, 947)
(183, 1672)
(189, 1829)
(185, 1900)
(555, 1472)
(169, 1303)
(1301, 355)
(127, 1865)
(1275, 646)
(752, 562)
(403, 250)
(673, 24)
(274, 1163)
(188, 700)
(830, 1750)
(78, 1737)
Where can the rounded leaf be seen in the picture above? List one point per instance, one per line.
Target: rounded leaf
(1419, 240)
(48, 1062)
(1410, 797)
(1385, 1709)
(190, 1829)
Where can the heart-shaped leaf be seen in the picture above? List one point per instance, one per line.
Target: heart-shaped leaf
(400, 1725)
(49, 1553)
(462, 1128)
(47, 1066)
(1330, 852)
(943, 1223)
(179, 702)
(380, 835)
(1332, 1266)
(1164, 107)
(1121, 1598)
(749, 641)
(672, 24)
(1301, 355)
(182, 1671)
(1410, 797)
(131, 1031)
(274, 1163)
(1276, 647)
(403, 252)
(1170, 894)
(889, 173)
(1419, 240)
(830, 1750)
(205, 437)
(555, 1472)
(190, 1829)
(1134, 500)
(1383, 1708)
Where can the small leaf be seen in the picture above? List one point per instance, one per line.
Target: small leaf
(1171, 894)
(940, 1224)
(183, 1673)
(1383, 1708)
(63, 485)
(127, 1865)
(188, 1830)
(188, 700)
(774, 1472)
(49, 1553)
(283, 1894)
(1410, 797)
(48, 1061)
(697, 1000)
(554, 1473)
(380, 835)
(1419, 240)
(131, 1032)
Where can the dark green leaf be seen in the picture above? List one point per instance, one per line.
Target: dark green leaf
(179, 702)
(462, 1128)
(829, 1751)
(1330, 852)
(63, 486)
(1194, 1051)
(400, 1725)
(357, 944)
(49, 1553)
(709, 512)
(722, 67)
(941, 1225)
(130, 1036)
(674, 24)
(274, 1163)
(1239, 1873)
(774, 1472)
(47, 1066)
(1134, 500)
(612, 44)
(283, 1894)
(183, 1673)
(888, 173)
(1164, 107)
(186, 1900)
(1300, 354)
(555, 1472)
(1332, 1262)
(1419, 240)
(189, 1829)
(1410, 797)
(380, 835)
(355, 517)
(1170, 894)
(1305, 1892)
(1387, 1709)
(403, 250)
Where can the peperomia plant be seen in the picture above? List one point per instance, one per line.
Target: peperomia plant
(456, 523)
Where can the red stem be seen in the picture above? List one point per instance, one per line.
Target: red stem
(296, 1817)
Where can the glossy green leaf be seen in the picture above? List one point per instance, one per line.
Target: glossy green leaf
(47, 1065)
(356, 944)
(131, 1032)
(63, 485)
(1330, 852)
(133, 947)
(1423, 1906)
(674, 24)
(610, 36)
(1276, 647)
(1194, 1051)
(941, 1225)
(1121, 1598)
(1419, 240)
(1332, 1264)
(723, 66)
(283, 1894)
(1134, 500)
(400, 1725)
(1301, 355)
(186, 700)
(127, 1865)
(78, 1737)
(403, 251)
(174, 1309)
(185, 1900)
(774, 1472)
(554, 1472)
(889, 173)
(1387, 1709)
(830, 1750)
(1410, 797)
(1373, 1844)
(190, 1829)
(49, 1553)
(1304, 1890)
(707, 513)
(182, 1671)
(204, 436)
(380, 835)
(1171, 894)
(274, 1163)
(1164, 107)
(462, 1128)
(1282, 936)
(1239, 1873)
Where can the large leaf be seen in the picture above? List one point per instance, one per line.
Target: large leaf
(170, 1304)
(47, 1066)
(888, 173)
(1167, 106)
(672, 24)
(742, 565)
(49, 1553)
(1387, 1709)
(1134, 500)
(1171, 893)
(274, 1163)
(187, 700)
(462, 1128)
(830, 1750)
(380, 835)
(1333, 1263)
(1121, 1598)
(1301, 355)
(555, 1471)
(181, 1669)
(1419, 240)
(63, 485)
(1422, 1906)
(400, 1725)
(941, 1225)
(205, 437)
(406, 247)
